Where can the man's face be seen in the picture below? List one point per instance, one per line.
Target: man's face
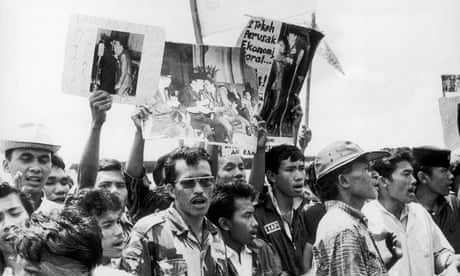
(440, 181)
(112, 233)
(112, 181)
(230, 168)
(193, 188)
(34, 164)
(58, 185)
(401, 186)
(290, 178)
(360, 179)
(12, 213)
(243, 225)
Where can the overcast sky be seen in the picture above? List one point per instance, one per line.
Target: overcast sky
(393, 53)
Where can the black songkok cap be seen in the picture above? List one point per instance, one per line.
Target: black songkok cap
(431, 157)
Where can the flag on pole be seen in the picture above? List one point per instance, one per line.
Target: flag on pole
(326, 52)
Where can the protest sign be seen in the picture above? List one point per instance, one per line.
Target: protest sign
(449, 108)
(450, 83)
(282, 54)
(204, 93)
(121, 58)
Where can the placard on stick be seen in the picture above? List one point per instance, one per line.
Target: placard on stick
(121, 58)
(282, 55)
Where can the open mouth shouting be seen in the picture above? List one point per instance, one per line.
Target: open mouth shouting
(199, 201)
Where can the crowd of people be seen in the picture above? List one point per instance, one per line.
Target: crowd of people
(393, 211)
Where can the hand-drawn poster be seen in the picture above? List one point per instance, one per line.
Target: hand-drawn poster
(205, 93)
(450, 83)
(121, 58)
(449, 108)
(282, 54)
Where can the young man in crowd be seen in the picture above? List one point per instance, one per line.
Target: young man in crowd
(28, 159)
(232, 210)
(56, 187)
(15, 209)
(279, 221)
(434, 182)
(344, 245)
(425, 250)
(106, 208)
(180, 239)
(59, 183)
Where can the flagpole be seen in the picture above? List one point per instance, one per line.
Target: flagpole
(196, 22)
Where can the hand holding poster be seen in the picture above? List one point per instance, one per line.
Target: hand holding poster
(281, 54)
(121, 58)
(205, 93)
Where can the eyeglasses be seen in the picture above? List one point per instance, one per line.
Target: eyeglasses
(204, 181)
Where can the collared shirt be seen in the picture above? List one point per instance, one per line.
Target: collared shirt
(241, 262)
(447, 217)
(162, 243)
(423, 244)
(344, 245)
(264, 261)
(287, 239)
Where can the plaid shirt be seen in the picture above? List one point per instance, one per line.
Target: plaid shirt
(344, 245)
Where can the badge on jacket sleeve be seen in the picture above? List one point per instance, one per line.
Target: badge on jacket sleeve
(272, 227)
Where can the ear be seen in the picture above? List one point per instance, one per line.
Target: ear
(422, 177)
(343, 181)
(6, 166)
(271, 176)
(171, 190)
(224, 223)
(383, 182)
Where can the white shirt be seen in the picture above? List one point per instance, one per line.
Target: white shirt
(243, 267)
(423, 244)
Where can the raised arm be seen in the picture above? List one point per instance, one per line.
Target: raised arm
(99, 102)
(135, 163)
(257, 176)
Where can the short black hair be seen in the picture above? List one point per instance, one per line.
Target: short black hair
(192, 157)
(57, 161)
(277, 154)
(94, 202)
(223, 199)
(68, 234)
(109, 165)
(385, 166)
(6, 190)
(158, 173)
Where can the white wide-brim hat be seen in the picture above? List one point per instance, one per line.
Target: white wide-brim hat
(30, 136)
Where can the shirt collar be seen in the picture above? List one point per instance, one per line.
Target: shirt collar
(347, 209)
(404, 211)
(179, 227)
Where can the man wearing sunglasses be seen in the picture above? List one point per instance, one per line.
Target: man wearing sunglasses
(179, 240)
